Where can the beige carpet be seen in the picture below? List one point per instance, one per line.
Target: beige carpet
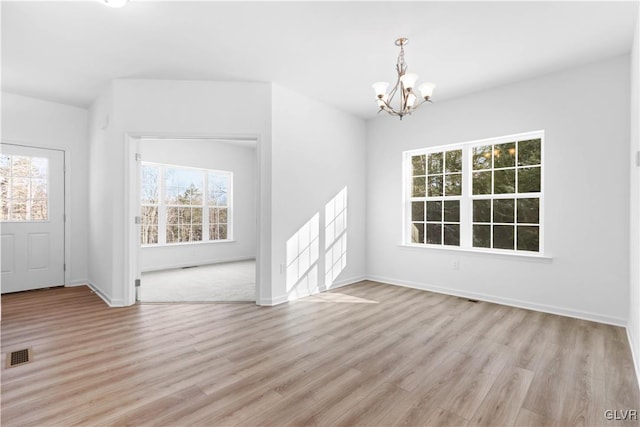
(226, 282)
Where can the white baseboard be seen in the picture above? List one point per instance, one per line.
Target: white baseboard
(286, 298)
(76, 283)
(273, 301)
(346, 282)
(594, 317)
(111, 302)
(634, 356)
(191, 264)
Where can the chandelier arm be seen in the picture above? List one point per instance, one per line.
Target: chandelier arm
(393, 91)
(388, 108)
(422, 102)
(406, 108)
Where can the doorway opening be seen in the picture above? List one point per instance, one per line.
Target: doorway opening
(32, 184)
(197, 205)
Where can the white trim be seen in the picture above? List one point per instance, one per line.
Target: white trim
(273, 301)
(487, 251)
(634, 355)
(197, 242)
(77, 283)
(578, 314)
(132, 208)
(346, 282)
(132, 247)
(106, 298)
(287, 298)
(190, 264)
(496, 140)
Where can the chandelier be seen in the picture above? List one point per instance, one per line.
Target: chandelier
(403, 87)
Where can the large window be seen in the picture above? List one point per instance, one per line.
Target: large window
(485, 195)
(182, 205)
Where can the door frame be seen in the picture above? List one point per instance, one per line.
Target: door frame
(66, 202)
(132, 249)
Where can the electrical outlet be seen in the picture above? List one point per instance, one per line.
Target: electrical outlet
(455, 265)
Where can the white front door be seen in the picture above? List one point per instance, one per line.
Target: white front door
(32, 217)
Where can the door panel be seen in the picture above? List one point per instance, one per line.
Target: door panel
(32, 215)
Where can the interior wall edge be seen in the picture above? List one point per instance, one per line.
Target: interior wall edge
(111, 302)
(634, 356)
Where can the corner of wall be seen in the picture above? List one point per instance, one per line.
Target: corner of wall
(106, 297)
(633, 325)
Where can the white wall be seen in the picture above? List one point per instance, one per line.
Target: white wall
(317, 152)
(236, 157)
(171, 108)
(633, 326)
(30, 121)
(587, 187)
(102, 195)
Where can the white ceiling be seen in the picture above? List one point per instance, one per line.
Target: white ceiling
(332, 51)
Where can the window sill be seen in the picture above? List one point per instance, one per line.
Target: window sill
(480, 252)
(173, 245)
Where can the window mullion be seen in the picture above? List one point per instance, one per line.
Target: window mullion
(465, 203)
(162, 209)
(408, 183)
(230, 205)
(205, 208)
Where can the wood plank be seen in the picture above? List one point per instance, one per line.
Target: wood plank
(502, 403)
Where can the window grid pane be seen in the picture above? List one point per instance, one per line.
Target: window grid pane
(24, 188)
(218, 223)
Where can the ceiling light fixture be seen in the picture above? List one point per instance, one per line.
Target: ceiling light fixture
(115, 3)
(404, 86)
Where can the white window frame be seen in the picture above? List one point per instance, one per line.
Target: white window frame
(466, 200)
(163, 205)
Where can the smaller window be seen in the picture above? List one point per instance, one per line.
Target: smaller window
(24, 188)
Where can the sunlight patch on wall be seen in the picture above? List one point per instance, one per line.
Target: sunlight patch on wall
(303, 252)
(335, 236)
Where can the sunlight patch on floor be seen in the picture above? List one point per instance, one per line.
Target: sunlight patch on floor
(338, 297)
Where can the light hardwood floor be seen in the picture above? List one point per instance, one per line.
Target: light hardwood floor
(365, 354)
